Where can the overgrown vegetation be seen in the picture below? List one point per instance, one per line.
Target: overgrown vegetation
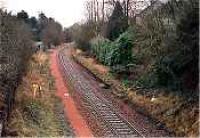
(16, 42)
(41, 114)
(118, 22)
(163, 47)
(82, 34)
(17, 36)
(117, 54)
(158, 53)
(172, 45)
(15, 49)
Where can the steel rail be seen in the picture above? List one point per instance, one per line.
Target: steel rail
(116, 124)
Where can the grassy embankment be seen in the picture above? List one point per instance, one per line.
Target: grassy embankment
(40, 115)
(179, 114)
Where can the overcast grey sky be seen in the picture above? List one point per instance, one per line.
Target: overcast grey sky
(67, 12)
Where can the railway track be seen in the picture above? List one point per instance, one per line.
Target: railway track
(113, 123)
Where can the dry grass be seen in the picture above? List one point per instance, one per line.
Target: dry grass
(37, 116)
(179, 114)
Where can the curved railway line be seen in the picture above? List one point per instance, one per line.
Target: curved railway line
(113, 123)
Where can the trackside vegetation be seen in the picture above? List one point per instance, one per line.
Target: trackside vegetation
(155, 55)
(164, 45)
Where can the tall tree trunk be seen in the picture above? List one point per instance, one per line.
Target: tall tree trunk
(127, 8)
(97, 10)
(91, 11)
(103, 12)
(94, 10)
(126, 4)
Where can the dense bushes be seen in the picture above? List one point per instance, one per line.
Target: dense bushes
(101, 49)
(82, 34)
(117, 54)
(172, 46)
(164, 45)
(51, 32)
(15, 48)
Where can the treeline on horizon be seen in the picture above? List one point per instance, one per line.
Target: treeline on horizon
(44, 29)
(158, 51)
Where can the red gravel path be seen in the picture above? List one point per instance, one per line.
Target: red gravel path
(72, 114)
